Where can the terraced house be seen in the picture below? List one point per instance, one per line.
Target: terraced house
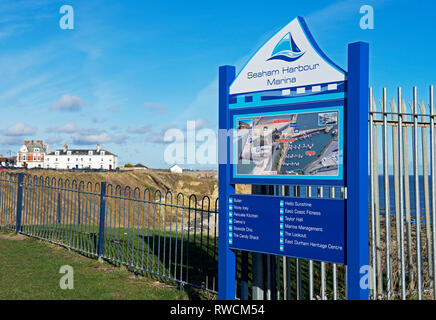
(81, 159)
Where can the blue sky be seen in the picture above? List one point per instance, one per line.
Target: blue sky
(131, 69)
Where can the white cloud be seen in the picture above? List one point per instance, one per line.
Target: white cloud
(11, 141)
(114, 108)
(93, 136)
(21, 87)
(68, 103)
(19, 129)
(68, 127)
(155, 108)
(98, 119)
(55, 140)
(19, 16)
(158, 137)
(205, 101)
(155, 138)
(199, 124)
(139, 129)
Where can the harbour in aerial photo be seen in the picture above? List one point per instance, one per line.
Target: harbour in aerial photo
(303, 144)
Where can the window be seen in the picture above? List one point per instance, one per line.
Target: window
(81, 159)
(102, 153)
(69, 153)
(56, 153)
(36, 150)
(90, 153)
(24, 157)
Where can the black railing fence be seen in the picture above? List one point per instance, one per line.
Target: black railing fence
(171, 236)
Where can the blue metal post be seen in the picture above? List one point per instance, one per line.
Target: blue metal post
(19, 200)
(226, 257)
(357, 169)
(102, 219)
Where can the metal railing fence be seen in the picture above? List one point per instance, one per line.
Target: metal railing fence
(8, 201)
(172, 237)
(175, 237)
(401, 211)
(402, 206)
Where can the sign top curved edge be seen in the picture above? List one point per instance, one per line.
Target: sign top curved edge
(291, 58)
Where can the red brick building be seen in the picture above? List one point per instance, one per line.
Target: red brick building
(32, 154)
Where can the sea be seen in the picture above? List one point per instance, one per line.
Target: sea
(410, 191)
(318, 140)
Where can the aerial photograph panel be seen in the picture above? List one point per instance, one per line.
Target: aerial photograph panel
(299, 144)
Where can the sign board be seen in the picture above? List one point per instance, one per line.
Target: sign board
(308, 228)
(291, 116)
(304, 144)
(292, 97)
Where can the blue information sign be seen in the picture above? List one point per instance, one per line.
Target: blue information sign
(308, 228)
(291, 116)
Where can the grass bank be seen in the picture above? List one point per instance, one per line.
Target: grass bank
(29, 269)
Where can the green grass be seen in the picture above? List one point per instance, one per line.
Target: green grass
(29, 269)
(144, 249)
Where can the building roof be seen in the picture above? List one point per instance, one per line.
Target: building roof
(81, 152)
(35, 144)
(140, 165)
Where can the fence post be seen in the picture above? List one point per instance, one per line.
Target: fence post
(19, 200)
(102, 220)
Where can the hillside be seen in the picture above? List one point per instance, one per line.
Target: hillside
(153, 179)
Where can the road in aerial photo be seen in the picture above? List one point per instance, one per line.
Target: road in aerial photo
(303, 144)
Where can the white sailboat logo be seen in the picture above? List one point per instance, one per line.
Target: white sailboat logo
(286, 50)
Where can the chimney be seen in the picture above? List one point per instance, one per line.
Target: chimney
(98, 148)
(65, 148)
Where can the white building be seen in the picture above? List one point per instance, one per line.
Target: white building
(81, 159)
(176, 169)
